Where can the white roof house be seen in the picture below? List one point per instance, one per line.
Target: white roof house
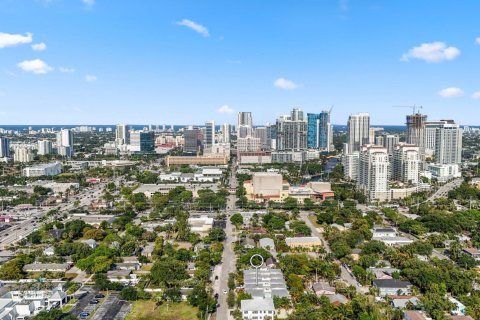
(50, 251)
(384, 232)
(267, 243)
(394, 241)
(200, 224)
(257, 309)
(90, 242)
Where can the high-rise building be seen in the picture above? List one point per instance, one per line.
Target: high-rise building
(226, 130)
(244, 131)
(261, 133)
(373, 133)
(44, 147)
(142, 141)
(373, 172)
(297, 114)
(350, 163)
(431, 135)
(448, 143)
(23, 155)
(209, 133)
(4, 147)
(380, 140)
(248, 144)
(319, 134)
(406, 163)
(416, 132)
(122, 134)
(244, 119)
(390, 141)
(271, 136)
(65, 142)
(292, 131)
(193, 140)
(358, 131)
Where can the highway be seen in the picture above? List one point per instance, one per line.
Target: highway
(22, 229)
(443, 191)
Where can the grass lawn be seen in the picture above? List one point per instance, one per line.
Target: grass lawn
(145, 310)
(69, 306)
(147, 267)
(313, 219)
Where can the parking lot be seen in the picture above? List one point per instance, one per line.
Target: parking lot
(109, 309)
(84, 304)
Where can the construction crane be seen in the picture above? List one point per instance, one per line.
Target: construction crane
(414, 107)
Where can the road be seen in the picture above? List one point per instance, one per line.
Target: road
(22, 229)
(228, 256)
(443, 191)
(345, 274)
(27, 226)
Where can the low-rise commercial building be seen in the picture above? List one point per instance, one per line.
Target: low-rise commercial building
(258, 157)
(28, 303)
(444, 172)
(149, 189)
(270, 186)
(196, 160)
(44, 169)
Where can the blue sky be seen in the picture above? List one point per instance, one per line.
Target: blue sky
(185, 62)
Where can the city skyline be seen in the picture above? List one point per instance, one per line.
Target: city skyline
(99, 69)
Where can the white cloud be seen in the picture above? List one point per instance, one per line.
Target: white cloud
(285, 84)
(451, 92)
(10, 40)
(477, 41)
(432, 52)
(226, 109)
(90, 78)
(36, 66)
(194, 26)
(476, 95)
(89, 2)
(39, 46)
(66, 70)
